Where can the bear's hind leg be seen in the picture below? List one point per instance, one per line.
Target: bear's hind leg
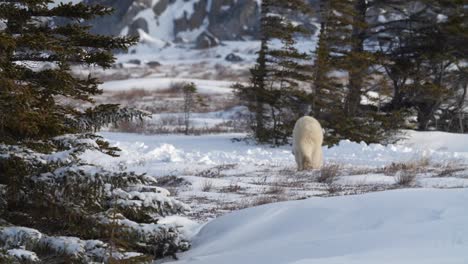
(299, 162)
(306, 163)
(317, 158)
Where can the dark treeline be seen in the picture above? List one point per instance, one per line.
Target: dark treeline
(379, 66)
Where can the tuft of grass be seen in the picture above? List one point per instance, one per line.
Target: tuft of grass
(449, 170)
(132, 95)
(216, 172)
(414, 166)
(328, 173)
(207, 185)
(334, 188)
(265, 199)
(233, 187)
(405, 178)
(275, 189)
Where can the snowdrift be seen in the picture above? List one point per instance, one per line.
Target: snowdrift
(403, 226)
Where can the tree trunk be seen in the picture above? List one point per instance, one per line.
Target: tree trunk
(319, 72)
(356, 73)
(259, 91)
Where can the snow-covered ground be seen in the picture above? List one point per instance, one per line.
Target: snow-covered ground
(182, 61)
(160, 155)
(216, 174)
(401, 226)
(158, 83)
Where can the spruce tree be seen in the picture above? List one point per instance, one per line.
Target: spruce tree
(424, 61)
(30, 94)
(52, 202)
(275, 91)
(344, 71)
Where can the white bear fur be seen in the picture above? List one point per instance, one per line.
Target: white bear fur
(307, 143)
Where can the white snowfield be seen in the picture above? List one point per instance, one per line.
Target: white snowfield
(426, 226)
(411, 226)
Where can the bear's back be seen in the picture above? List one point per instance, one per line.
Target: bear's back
(309, 126)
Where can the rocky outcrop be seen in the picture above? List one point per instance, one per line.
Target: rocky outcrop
(234, 19)
(112, 24)
(184, 20)
(225, 19)
(189, 22)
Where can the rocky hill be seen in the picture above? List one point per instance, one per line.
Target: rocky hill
(162, 21)
(181, 20)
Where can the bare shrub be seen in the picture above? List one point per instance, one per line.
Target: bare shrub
(210, 173)
(207, 185)
(334, 188)
(226, 73)
(328, 173)
(215, 172)
(260, 181)
(405, 177)
(172, 181)
(414, 166)
(450, 169)
(266, 199)
(132, 95)
(130, 127)
(171, 120)
(233, 187)
(287, 171)
(275, 189)
(176, 87)
(174, 191)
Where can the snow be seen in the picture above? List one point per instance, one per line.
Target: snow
(441, 18)
(156, 83)
(202, 120)
(215, 174)
(402, 226)
(74, 246)
(151, 41)
(439, 141)
(57, 2)
(162, 26)
(169, 154)
(16, 239)
(15, 236)
(188, 228)
(22, 254)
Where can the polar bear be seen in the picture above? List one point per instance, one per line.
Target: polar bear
(307, 143)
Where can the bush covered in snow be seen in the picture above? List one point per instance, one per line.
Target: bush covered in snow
(54, 207)
(69, 204)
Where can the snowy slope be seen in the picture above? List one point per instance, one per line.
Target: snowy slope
(404, 226)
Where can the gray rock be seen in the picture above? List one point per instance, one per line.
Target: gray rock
(153, 64)
(134, 61)
(206, 40)
(117, 65)
(232, 57)
(140, 23)
(160, 6)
